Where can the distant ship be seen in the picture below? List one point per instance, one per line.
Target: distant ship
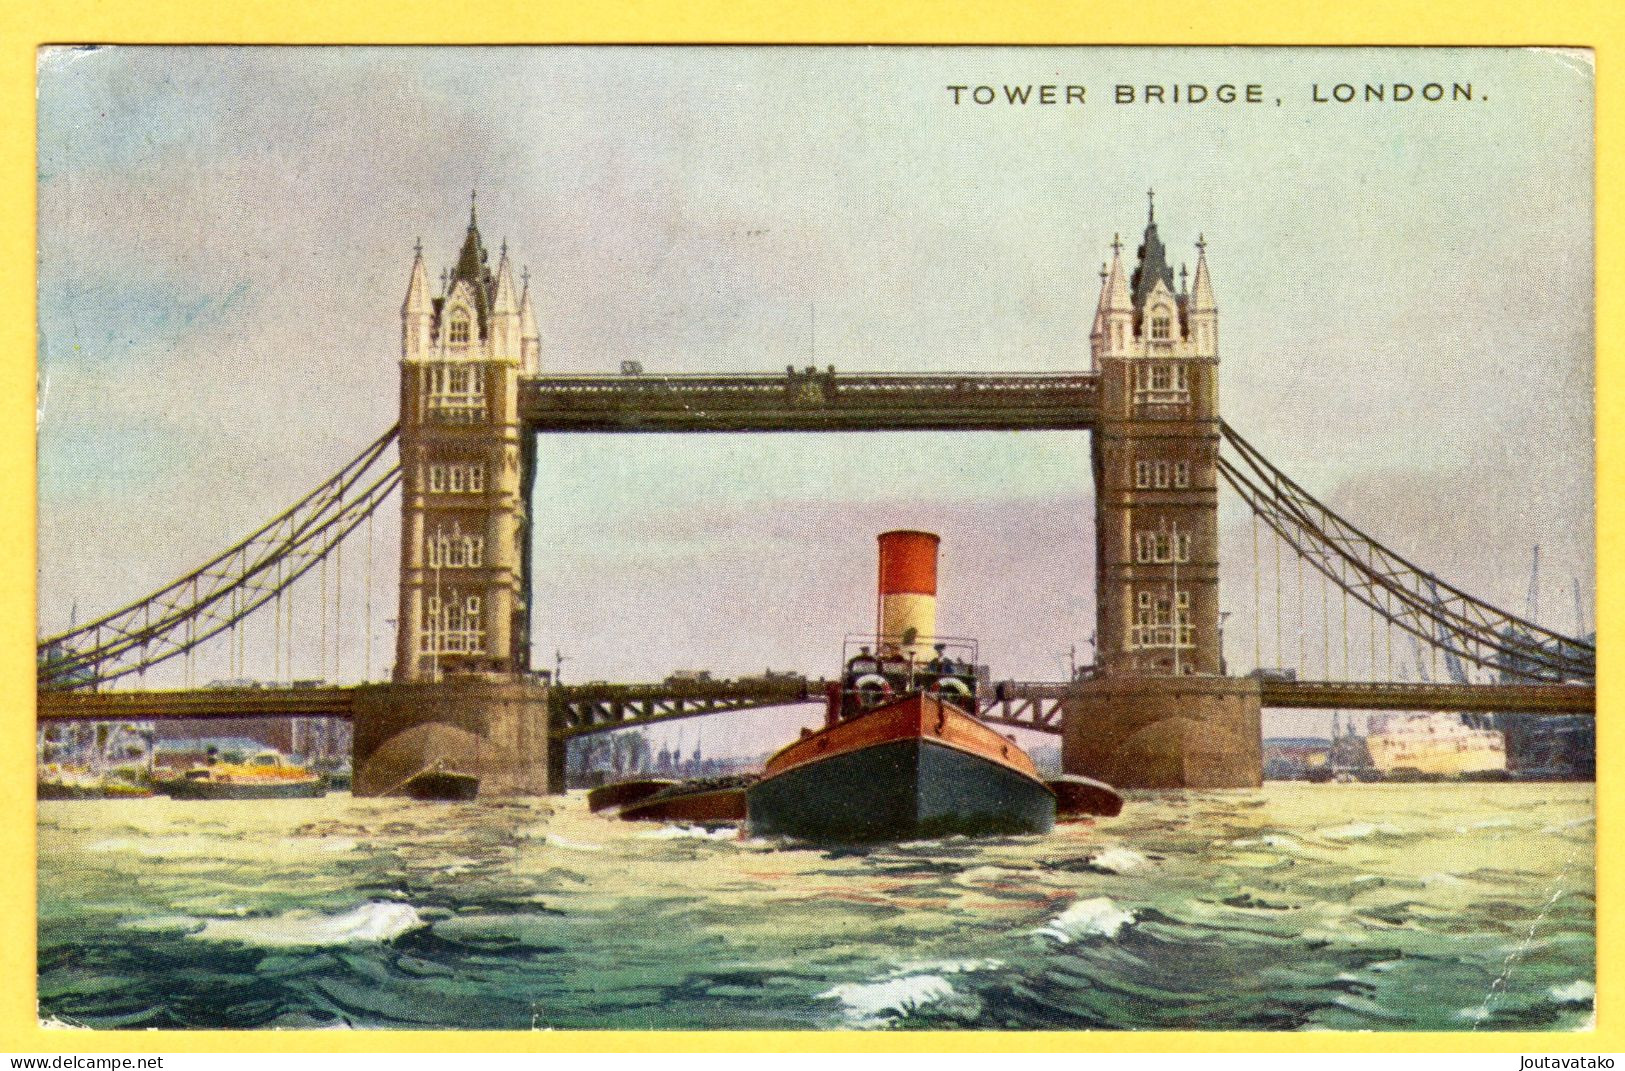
(57, 782)
(266, 775)
(900, 756)
(1434, 746)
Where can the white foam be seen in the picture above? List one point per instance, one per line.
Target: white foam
(192, 846)
(1268, 840)
(690, 833)
(1096, 917)
(371, 922)
(1577, 992)
(878, 1003)
(948, 966)
(1118, 860)
(1358, 831)
(1443, 880)
(163, 923)
(1489, 823)
(978, 875)
(572, 845)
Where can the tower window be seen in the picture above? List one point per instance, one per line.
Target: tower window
(453, 625)
(1182, 473)
(1159, 328)
(1161, 383)
(454, 549)
(458, 333)
(1160, 477)
(1142, 474)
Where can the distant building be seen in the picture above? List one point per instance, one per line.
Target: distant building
(1295, 758)
(1543, 746)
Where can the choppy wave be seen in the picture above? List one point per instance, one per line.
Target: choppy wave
(1095, 917)
(870, 1004)
(370, 922)
(1118, 860)
(1289, 908)
(687, 832)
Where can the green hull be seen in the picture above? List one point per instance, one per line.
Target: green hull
(901, 790)
(236, 790)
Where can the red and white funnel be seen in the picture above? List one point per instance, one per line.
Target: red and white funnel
(907, 614)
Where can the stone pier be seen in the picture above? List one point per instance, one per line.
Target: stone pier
(1164, 732)
(496, 730)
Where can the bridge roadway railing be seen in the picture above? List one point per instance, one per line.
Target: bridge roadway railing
(576, 710)
(811, 400)
(1465, 698)
(325, 701)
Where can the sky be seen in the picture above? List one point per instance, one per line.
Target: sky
(225, 236)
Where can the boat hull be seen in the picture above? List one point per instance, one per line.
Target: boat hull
(905, 789)
(721, 805)
(184, 789)
(443, 785)
(624, 793)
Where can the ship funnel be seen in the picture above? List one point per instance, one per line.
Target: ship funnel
(907, 614)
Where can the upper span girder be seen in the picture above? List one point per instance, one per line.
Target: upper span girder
(1412, 695)
(810, 400)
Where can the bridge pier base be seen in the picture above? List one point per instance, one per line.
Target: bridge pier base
(496, 730)
(1164, 732)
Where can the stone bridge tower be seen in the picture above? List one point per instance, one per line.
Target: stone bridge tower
(1160, 713)
(1154, 453)
(464, 585)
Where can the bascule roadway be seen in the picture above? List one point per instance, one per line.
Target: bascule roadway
(582, 709)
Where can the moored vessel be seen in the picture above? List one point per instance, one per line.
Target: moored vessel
(619, 794)
(443, 784)
(900, 756)
(703, 800)
(266, 775)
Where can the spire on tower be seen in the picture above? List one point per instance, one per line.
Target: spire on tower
(1114, 296)
(417, 287)
(1153, 264)
(530, 339)
(503, 300)
(1202, 284)
(473, 267)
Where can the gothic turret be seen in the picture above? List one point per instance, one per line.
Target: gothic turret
(1156, 527)
(530, 339)
(1203, 313)
(505, 325)
(1114, 314)
(417, 311)
(463, 587)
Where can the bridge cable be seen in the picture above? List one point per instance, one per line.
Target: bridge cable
(1239, 481)
(304, 551)
(1457, 616)
(1377, 575)
(338, 613)
(1258, 643)
(321, 642)
(83, 654)
(366, 672)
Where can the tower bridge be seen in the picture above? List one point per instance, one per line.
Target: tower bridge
(1158, 708)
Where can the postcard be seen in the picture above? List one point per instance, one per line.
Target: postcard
(816, 539)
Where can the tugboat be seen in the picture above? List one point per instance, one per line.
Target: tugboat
(267, 775)
(901, 756)
(440, 783)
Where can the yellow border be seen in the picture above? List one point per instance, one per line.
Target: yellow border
(1597, 24)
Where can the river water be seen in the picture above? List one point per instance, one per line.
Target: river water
(1295, 907)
